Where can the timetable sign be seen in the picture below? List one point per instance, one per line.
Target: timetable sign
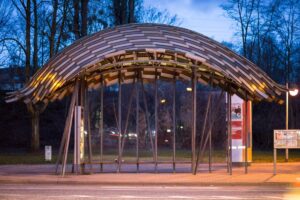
(285, 139)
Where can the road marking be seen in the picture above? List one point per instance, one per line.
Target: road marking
(183, 197)
(137, 197)
(82, 196)
(271, 197)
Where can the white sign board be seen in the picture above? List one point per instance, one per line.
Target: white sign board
(48, 153)
(286, 139)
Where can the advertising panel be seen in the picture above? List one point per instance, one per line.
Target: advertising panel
(238, 135)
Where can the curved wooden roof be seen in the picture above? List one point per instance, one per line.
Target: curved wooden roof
(149, 50)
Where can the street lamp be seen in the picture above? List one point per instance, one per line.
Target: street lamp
(293, 92)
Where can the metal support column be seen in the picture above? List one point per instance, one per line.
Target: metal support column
(120, 121)
(246, 137)
(229, 147)
(194, 106)
(209, 136)
(101, 124)
(287, 118)
(174, 125)
(137, 124)
(274, 160)
(88, 122)
(156, 118)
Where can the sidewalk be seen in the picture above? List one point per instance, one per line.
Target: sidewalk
(258, 173)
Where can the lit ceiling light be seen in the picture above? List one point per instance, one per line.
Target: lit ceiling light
(168, 130)
(189, 89)
(163, 101)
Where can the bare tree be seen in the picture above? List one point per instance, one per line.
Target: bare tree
(287, 28)
(154, 15)
(5, 20)
(53, 28)
(35, 36)
(241, 11)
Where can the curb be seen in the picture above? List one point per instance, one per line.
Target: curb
(109, 183)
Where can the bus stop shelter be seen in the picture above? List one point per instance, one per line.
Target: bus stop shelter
(141, 54)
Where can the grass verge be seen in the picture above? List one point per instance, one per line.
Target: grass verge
(23, 157)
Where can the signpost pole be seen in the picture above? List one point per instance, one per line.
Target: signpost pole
(246, 137)
(274, 160)
(287, 119)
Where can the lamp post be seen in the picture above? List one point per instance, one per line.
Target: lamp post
(292, 92)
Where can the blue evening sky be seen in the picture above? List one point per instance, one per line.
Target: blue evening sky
(203, 16)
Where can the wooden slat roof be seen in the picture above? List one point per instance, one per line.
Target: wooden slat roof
(164, 51)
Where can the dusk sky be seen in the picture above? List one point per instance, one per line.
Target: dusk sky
(203, 16)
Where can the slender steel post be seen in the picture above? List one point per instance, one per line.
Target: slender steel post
(194, 106)
(287, 118)
(229, 133)
(87, 114)
(209, 140)
(174, 124)
(156, 119)
(120, 121)
(137, 124)
(246, 137)
(101, 124)
(75, 159)
(274, 160)
(77, 141)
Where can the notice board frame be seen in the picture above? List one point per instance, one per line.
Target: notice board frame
(284, 139)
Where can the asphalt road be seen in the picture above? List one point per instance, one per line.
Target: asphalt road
(45, 192)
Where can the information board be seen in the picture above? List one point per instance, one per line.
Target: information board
(286, 139)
